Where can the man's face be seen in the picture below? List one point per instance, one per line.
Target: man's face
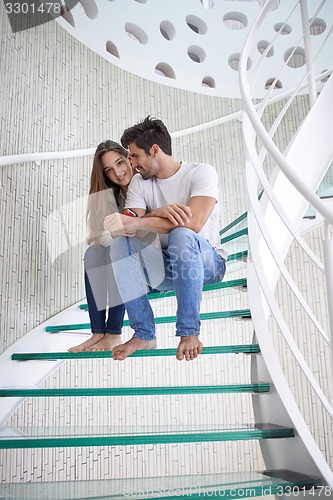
(146, 165)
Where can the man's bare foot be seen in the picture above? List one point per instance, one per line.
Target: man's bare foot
(107, 343)
(134, 344)
(189, 348)
(94, 339)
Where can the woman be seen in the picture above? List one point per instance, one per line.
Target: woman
(110, 176)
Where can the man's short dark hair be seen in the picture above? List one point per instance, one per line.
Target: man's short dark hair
(150, 131)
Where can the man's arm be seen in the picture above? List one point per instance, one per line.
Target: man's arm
(200, 206)
(177, 213)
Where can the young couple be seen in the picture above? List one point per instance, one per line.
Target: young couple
(172, 244)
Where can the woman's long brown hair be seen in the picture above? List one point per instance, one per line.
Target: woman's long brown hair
(104, 195)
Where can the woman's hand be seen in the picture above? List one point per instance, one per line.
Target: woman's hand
(120, 225)
(176, 213)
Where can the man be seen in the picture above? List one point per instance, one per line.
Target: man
(186, 221)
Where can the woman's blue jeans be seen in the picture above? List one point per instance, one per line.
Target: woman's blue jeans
(101, 291)
(185, 266)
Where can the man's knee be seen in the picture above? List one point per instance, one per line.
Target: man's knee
(181, 236)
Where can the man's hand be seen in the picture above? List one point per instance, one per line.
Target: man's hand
(176, 213)
(120, 225)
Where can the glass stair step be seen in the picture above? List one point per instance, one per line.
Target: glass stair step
(241, 221)
(199, 486)
(135, 391)
(242, 313)
(242, 255)
(242, 282)
(52, 437)
(234, 236)
(226, 349)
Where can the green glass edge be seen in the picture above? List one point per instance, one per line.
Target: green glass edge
(239, 219)
(244, 313)
(136, 391)
(238, 255)
(202, 437)
(234, 236)
(233, 223)
(228, 349)
(214, 490)
(206, 288)
(254, 491)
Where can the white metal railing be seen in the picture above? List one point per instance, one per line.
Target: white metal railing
(272, 227)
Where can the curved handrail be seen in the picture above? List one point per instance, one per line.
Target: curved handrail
(279, 262)
(272, 149)
(262, 246)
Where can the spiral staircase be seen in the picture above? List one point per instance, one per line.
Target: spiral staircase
(256, 321)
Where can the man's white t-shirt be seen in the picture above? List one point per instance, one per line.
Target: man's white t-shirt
(192, 179)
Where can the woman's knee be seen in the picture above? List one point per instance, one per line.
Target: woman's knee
(120, 248)
(95, 256)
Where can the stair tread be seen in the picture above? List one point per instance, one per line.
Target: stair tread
(243, 254)
(236, 235)
(244, 313)
(225, 485)
(242, 219)
(26, 356)
(133, 391)
(241, 282)
(42, 437)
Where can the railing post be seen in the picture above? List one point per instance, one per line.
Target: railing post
(308, 52)
(328, 264)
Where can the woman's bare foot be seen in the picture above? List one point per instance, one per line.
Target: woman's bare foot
(189, 348)
(134, 344)
(85, 346)
(107, 343)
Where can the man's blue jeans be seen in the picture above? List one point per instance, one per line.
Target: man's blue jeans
(185, 266)
(99, 282)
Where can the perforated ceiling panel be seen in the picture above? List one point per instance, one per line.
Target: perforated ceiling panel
(196, 44)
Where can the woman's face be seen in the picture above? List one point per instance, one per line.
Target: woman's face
(117, 168)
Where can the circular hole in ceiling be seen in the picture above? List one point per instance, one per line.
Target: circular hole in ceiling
(324, 80)
(234, 60)
(208, 81)
(167, 29)
(196, 24)
(274, 5)
(141, 1)
(317, 27)
(197, 54)
(136, 33)
(164, 69)
(112, 49)
(271, 81)
(235, 20)
(208, 4)
(90, 8)
(295, 57)
(262, 46)
(282, 28)
(67, 15)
